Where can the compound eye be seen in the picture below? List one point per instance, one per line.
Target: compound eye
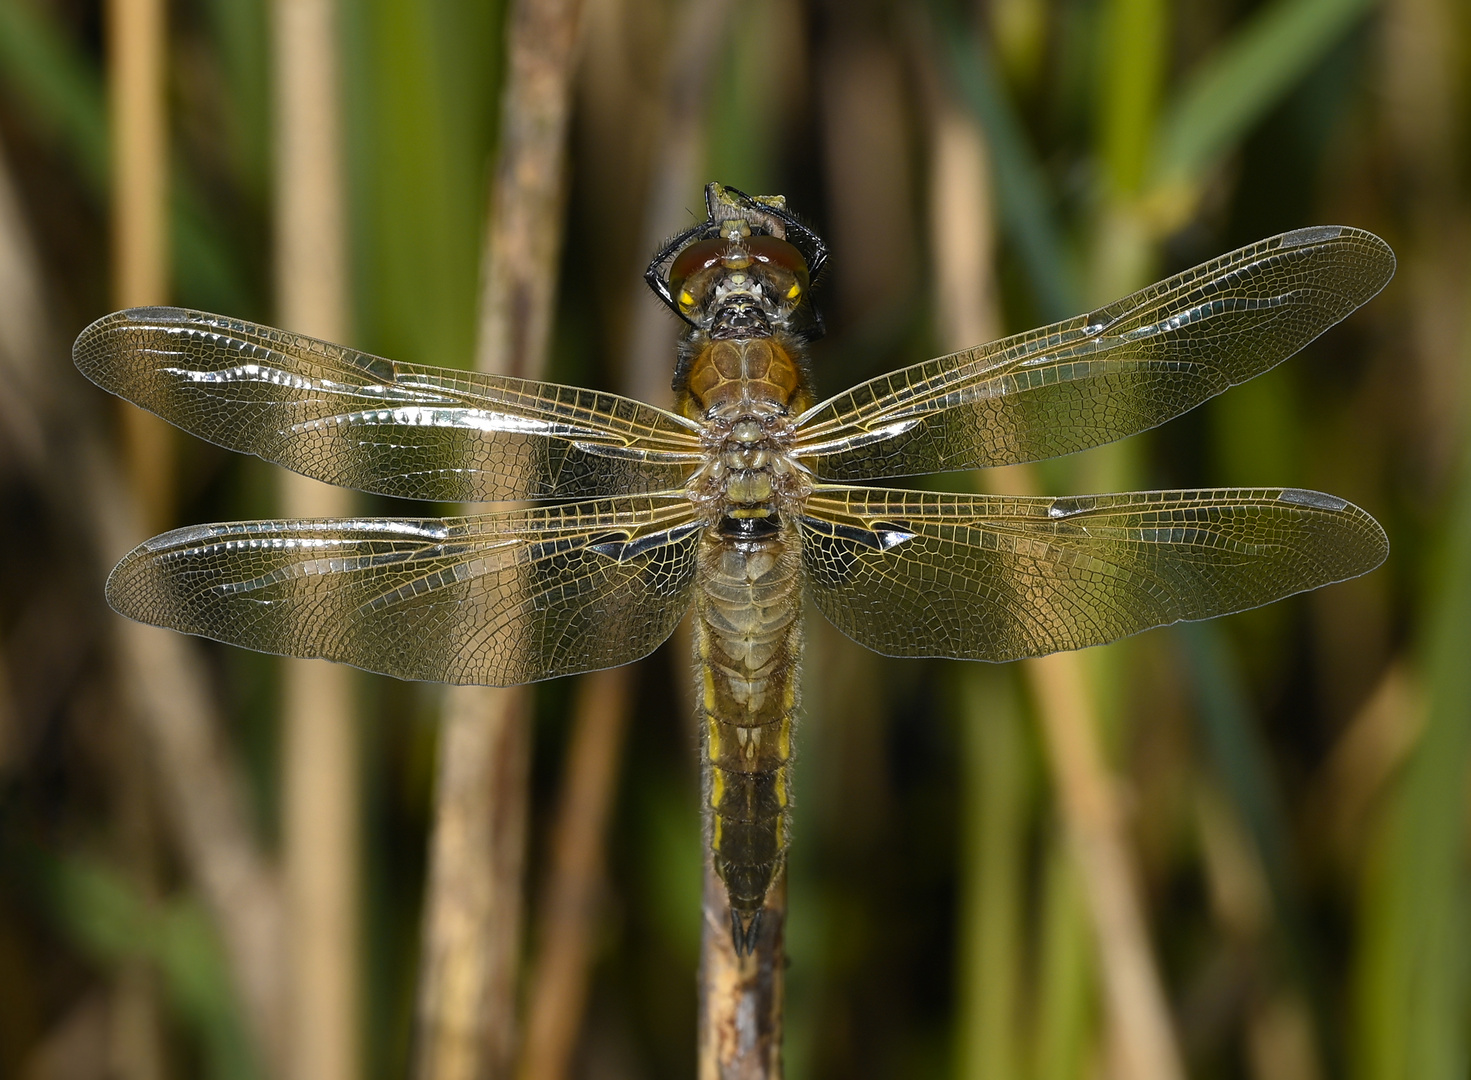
(775, 252)
(699, 256)
(784, 264)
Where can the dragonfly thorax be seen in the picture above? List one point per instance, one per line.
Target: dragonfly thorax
(726, 379)
(749, 473)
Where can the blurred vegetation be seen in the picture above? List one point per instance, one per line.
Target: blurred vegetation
(1296, 776)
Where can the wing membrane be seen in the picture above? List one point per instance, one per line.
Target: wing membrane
(500, 599)
(1000, 578)
(1099, 377)
(364, 422)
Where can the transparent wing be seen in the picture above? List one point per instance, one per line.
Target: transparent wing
(364, 422)
(500, 599)
(1099, 377)
(999, 578)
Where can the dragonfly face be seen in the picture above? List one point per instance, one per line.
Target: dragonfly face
(741, 500)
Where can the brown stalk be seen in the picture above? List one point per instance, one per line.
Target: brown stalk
(319, 789)
(1138, 1014)
(559, 974)
(135, 55)
(678, 162)
(962, 244)
(163, 682)
(568, 914)
(524, 233)
(471, 936)
(1139, 1018)
(472, 908)
(202, 789)
(741, 997)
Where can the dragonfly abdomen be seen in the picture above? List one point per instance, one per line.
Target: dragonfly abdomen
(748, 643)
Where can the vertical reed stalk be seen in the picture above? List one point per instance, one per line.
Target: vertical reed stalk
(741, 997)
(994, 827)
(677, 175)
(472, 910)
(1064, 1028)
(559, 976)
(962, 244)
(1139, 1017)
(1138, 1012)
(569, 907)
(731, 987)
(136, 84)
(471, 944)
(136, 50)
(320, 786)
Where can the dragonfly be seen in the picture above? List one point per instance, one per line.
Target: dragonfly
(744, 498)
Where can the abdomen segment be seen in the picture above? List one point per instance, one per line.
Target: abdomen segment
(748, 643)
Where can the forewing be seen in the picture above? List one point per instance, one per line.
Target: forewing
(499, 599)
(1000, 578)
(1099, 377)
(364, 422)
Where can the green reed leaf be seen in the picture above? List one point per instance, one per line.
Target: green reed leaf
(1229, 93)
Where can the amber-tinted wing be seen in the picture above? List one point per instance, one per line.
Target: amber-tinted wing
(1000, 578)
(1099, 377)
(364, 422)
(499, 599)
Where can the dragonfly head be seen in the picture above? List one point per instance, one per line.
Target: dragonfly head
(743, 272)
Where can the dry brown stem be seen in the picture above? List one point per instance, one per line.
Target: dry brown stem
(472, 909)
(678, 161)
(559, 976)
(741, 997)
(569, 906)
(466, 1007)
(320, 862)
(319, 789)
(201, 784)
(167, 693)
(524, 233)
(1138, 1014)
(135, 56)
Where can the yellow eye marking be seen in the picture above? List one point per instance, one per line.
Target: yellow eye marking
(794, 292)
(685, 299)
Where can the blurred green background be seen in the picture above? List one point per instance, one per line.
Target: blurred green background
(1295, 777)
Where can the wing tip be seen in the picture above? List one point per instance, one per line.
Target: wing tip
(89, 352)
(1367, 556)
(1381, 256)
(123, 584)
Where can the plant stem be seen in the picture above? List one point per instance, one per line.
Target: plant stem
(741, 996)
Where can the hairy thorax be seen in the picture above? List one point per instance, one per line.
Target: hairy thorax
(746, 392)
